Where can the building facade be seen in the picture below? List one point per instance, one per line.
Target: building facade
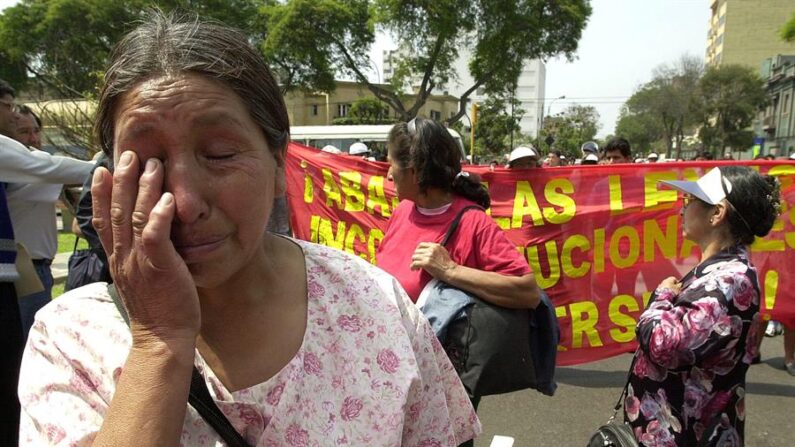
(746, 32)
(320, 109)
(777, 123)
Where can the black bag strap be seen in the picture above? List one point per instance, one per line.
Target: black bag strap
(456, 221)
(199, 397)
(77, 239)
(620, 401)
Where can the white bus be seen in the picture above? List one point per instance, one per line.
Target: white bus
(342, 136)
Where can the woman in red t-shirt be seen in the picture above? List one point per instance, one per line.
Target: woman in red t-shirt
(425, 166)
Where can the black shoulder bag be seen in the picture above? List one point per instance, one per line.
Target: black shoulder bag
(199, 397)
(490, 346)
(616, 432)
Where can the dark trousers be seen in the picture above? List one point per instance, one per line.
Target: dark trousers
(475, 402)
(10, 359)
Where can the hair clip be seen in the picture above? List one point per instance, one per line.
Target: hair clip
(412, 126)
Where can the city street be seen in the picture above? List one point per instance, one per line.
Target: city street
(587, 393)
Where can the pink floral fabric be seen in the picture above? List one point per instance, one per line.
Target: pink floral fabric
(687, 384)
(369, 371)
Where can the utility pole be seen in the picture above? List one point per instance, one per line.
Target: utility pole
(475, 108)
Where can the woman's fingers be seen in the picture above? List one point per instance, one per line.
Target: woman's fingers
(150, 187)
(101, 184)
(122, 201)
(156, 237)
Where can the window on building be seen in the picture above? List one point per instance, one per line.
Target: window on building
(436, 115)
(785, 108)
(343, 109)
(314, 110)
(722, 20)
(719, 40)
(481, 91)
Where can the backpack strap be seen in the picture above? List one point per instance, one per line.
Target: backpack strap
(456, 221)
(199, 397)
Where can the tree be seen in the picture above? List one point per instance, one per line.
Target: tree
(665, 107)
(788, 30)
(312, 39)
(731, 95)
(366, 110)
(496, 124)
(54, 49)
(640, 129)
(574, 126)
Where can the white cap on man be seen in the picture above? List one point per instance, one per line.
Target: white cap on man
(330, 148)
(653, 156)
(792, 156)
(522, 152)
(358, 148)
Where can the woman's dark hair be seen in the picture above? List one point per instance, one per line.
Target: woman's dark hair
(755, 203)
(168, 46)
(619, 144)
(428, 147)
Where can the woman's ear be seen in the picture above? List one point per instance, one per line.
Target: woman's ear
(719, 214)
(279, 178)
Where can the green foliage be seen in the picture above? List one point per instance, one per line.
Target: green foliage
(308, 40)
(60, 48)
(497, 123)
(788, 30)
(312, 40)
(366, 110)
(570, 128)
(731, 95)
(663, 109)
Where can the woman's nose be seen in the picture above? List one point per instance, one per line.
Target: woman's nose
(189, 192)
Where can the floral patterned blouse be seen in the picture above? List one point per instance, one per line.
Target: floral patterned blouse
(687, 385)
(369, 371)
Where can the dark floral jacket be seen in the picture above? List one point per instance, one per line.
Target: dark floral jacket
(687, 384)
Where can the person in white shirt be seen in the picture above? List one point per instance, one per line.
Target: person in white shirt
(17, 164)
(32, 210)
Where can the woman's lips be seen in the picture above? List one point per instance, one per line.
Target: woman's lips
(197, 251)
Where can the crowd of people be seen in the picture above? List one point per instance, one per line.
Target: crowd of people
(296, 343)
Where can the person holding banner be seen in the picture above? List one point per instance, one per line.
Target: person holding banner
(424, 164)
(697, 336)
(294, 344)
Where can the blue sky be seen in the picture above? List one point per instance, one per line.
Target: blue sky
(621, 45)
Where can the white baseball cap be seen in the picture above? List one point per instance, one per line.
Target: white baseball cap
(792, 156)
(522, 152)
(358, 148)
(708, 188)
(591, 157)
(330, 148)
(653, 155)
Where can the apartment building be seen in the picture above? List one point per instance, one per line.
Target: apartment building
(746, 32)
(320, 109)
(778, 119)
(530, 88)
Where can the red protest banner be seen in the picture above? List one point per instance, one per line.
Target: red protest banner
(598, 238)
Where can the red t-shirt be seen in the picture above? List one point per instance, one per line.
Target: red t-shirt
(477, 243)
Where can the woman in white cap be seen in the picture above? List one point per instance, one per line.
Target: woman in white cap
(698, 335)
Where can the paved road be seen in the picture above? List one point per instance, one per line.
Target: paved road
(586, 395)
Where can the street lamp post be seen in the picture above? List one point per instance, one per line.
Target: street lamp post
(549, 108)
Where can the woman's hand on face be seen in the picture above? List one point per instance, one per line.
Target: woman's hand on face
(133, 218)
(433, 258)
(671, 283)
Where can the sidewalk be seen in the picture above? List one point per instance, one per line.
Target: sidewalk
(60, 267)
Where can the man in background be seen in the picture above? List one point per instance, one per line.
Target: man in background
(32, 210)
(618, 151)
(17, 164)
